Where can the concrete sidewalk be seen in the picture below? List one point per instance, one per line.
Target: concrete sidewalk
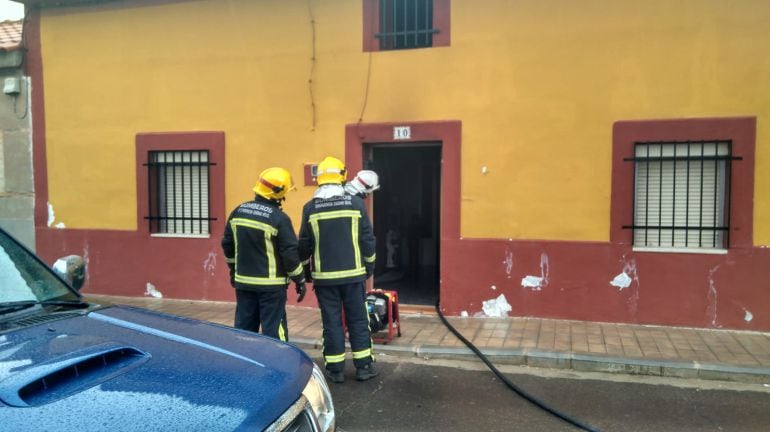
(727, 355)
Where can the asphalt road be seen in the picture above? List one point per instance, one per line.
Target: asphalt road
(437, 395)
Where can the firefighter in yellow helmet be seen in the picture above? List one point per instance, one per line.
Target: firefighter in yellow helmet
(337, 241)
(260, 248)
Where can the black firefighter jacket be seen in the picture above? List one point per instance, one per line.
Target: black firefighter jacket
(337, 234)
(260, 241)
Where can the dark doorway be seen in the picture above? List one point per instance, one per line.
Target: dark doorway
(406, 217)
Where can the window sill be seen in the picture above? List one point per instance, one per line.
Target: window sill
(191, 236)
(681, 250)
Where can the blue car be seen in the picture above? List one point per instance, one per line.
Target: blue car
(66, 364)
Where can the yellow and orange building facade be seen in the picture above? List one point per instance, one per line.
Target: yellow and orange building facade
(536, 104)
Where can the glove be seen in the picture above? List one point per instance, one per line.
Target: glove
(299, 286)
(308, 273)
(301, 290)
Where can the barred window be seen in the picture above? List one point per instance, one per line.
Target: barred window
(406, 24)
(179, 192)
(682, 194)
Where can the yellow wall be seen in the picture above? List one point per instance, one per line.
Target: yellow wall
(537, 86)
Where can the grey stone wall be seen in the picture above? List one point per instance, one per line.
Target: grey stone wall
(16, 181)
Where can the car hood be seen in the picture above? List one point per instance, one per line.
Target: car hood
(123, 368)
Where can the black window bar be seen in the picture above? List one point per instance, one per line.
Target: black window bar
(682, 194)
(179, 193)
(406, 24)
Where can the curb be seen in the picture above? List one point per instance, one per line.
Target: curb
(577, 362)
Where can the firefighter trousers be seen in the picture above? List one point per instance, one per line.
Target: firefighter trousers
(332, 299)
(266, 309)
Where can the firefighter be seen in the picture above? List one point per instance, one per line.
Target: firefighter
(260, 248)
(363, 184)
(337, 241)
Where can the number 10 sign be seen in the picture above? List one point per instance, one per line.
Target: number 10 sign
(402, 132)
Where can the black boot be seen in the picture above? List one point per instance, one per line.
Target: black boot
(335, 377)
(367, 372)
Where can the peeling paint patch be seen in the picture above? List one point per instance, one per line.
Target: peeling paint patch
(544, 267)
(711, 311)
(210, 263)
(621, 281)
(534, 282)
(464, 314)
(52, 218)
(87, 260)
(497, 307)
(629, 270)
(51, 215)
(493, 287)
(748, 316)
(151, 291)
(711, 296)
(508, 262)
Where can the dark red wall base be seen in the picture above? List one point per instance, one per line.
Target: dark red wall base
(121, 263)
(697, 290)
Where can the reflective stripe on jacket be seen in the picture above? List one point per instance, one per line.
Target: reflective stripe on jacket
(336, 237)
(259, 240)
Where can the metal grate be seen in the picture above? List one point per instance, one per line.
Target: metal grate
(682, 194)
(179, 192)
(406, 24)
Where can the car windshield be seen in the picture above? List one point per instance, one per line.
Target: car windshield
(24, 278)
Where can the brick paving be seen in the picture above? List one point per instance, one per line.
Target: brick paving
(607, 347)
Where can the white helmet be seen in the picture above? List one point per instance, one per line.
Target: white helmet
(364, 183)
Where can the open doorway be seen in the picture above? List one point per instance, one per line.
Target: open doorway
(406, 215)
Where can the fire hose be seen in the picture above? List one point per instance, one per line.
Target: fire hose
(526, 396)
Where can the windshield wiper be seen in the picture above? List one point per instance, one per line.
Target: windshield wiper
(18, 305)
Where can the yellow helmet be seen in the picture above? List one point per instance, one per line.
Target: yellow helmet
(331, 170)
(273, 183)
